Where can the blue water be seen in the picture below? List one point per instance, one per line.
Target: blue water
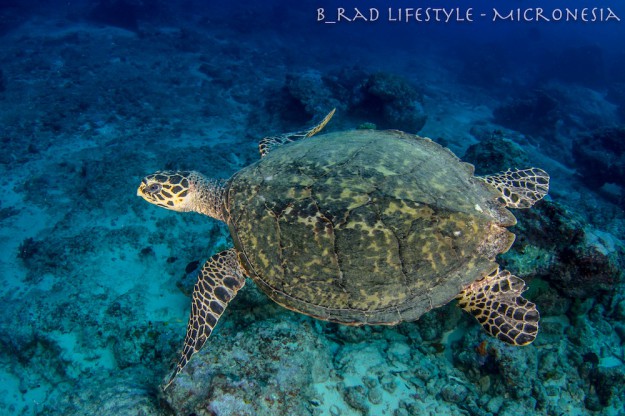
(95, 283)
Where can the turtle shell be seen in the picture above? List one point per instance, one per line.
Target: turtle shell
(365, 227)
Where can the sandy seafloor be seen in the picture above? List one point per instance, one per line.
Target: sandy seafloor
(94, 291)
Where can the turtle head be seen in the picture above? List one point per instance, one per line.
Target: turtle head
(184, 191)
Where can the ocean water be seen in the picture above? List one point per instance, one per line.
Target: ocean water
(96, 284)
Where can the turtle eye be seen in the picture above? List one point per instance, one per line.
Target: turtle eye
(154, 188)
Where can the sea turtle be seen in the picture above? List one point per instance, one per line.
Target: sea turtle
(360, 227)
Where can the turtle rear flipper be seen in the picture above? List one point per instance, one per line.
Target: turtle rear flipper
(520, 188)
(272, 142)
(219, 281)
(497, 304)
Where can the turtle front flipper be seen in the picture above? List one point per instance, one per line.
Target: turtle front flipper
(520, 188)
(497, 304)
(268, 143)
(219, 281)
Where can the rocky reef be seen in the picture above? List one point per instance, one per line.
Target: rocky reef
(384, 99)
(96, 284)
(536, 113)
(552, 115)
(494, 152)
(443, 363)
(600, 158)
(553, 243)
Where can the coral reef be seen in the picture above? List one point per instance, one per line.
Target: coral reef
(494, 153)
(385, 99)
(555, 245)
(600, 156)
(487, 68)
(267, 374)
(398, 103)
(312, 92)
(95, 284)
(536, 113)
(552, 242)
(555, 113)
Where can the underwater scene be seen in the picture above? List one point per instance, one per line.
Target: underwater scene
(258, 172)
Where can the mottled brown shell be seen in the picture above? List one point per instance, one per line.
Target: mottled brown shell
(365, 227)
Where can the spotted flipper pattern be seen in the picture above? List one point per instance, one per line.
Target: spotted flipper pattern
(219, 281)
(497, 304)
(520, 188)
(272, 142)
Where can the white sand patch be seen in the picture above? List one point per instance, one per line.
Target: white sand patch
(80, 359)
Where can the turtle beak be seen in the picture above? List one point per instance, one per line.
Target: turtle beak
(141, 189)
